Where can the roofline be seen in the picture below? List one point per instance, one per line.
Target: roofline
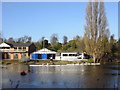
(70, 52)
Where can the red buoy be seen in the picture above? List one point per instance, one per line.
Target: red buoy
(23, 73)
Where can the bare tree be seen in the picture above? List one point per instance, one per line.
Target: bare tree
(77, 38)
(65, 39)
(54, 39)
(24, 39)
(1, 39)
(43, 42)
(11, 40)
(96, 32)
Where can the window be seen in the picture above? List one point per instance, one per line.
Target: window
(19, 48)
(8, 55)
(24, 55)
(15, 56)
(24, 48)
(72, 54)
(15, 47)
(5, 48)
(65, 54)
(75, 55)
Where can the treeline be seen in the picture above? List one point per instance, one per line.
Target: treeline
(110, 46)
(24, 39)
(96, 41)
(53, 44)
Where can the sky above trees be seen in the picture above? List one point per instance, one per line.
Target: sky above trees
(44, 19)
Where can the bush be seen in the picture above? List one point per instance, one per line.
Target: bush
(90, 61)
(87, 61)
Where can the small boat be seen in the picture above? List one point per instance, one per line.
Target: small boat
(23, 73)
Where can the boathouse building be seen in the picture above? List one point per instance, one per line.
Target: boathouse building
(49, 54)
(16, 51)
(43, 54)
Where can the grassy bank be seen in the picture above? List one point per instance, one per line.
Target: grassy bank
(54, 62)
(40, 62)
(113, 62)
(9, 61)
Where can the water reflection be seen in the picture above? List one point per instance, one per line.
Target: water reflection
(61, 76)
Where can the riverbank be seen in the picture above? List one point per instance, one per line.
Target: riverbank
(54, 62)
(45, 62)
(70, 64)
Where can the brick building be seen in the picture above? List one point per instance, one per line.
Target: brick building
(16, 50)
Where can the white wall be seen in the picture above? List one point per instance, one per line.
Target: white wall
(68, 58)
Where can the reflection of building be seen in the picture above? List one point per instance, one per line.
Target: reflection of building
(19, 68)
(16, 50)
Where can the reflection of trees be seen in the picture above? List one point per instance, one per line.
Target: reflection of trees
(98, 77)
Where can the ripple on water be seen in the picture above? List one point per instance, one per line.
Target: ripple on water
(62, 76)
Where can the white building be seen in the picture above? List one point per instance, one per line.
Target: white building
(66, 56)
(70, 56)
(43, 54)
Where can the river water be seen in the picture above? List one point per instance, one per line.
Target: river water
(103, 76)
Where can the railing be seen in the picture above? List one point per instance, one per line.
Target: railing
(9, 50)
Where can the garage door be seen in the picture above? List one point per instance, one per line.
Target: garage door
(44, 56)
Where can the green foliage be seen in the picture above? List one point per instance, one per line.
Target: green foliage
(70, 46)
(87, 61)
(56, 47)
(40, 44)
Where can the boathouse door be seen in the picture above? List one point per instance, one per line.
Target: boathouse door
(44, 56)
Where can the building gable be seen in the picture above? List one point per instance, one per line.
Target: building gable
(4, 45)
